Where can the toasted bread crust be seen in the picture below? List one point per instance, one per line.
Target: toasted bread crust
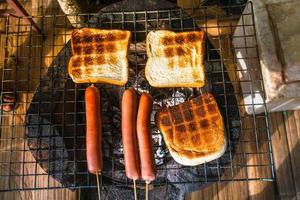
(179, 56)
(193, 130)
(99, 56)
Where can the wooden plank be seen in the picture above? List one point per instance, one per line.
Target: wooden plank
(27, 165)
(292, 124)
(258, 162)
(229, 190)
(40, 194)
(222, 191)
(21, 12)
(297, 120)
(13, 138)
(261, 190)
(210, 192)
(285, 183)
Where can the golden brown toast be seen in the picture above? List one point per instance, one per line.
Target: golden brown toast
(193, 130)
(175, 59)
(99, 56)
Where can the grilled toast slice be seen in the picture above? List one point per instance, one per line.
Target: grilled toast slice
(193, 130)
(175, 59)
(99, 56)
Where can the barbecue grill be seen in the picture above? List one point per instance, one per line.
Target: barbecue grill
(42, 143)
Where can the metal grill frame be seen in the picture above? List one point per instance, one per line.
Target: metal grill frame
(16, 29)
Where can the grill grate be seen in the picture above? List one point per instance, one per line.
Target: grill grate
(42, 142)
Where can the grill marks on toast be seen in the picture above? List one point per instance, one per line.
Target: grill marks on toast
(174, 51)
(93, 59)
(187, 120)
(172, 47)
(92, 63)
(175, 59)
(172, 44)
(97, 45)
(181, 38)
(87, 49)
(99, 56)
(86, 37)
(87, 60)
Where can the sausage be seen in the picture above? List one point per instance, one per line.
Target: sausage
(129, 137)
(93, 130)
(145, 139)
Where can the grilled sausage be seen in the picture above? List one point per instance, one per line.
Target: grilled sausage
(145, 139)
(93, 130)
(129, 137)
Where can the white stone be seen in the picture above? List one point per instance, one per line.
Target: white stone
(278, 40)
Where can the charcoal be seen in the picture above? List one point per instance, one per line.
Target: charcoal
(44, 131)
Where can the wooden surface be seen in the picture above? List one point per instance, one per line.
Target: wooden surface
(18, 117)
(285, 130)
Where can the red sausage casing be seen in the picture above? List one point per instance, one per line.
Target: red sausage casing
(93, 130)
(129, 137)
(145, 139)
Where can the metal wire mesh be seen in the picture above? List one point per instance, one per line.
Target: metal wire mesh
(26, 75)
